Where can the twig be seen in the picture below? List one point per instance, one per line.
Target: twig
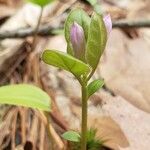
(46, 114)
(42, 136)
(52, 133)
(23, 123)
(131, 24)
(36, 30)
(12, 69)
(46, 30)
(13, 130)
(34, 131)
(55, 114)
(6, 127)
(56, 137)
(32, 54)
(22, 33)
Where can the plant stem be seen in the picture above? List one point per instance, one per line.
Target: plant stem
(84, 118)
(28, 67)
(91, 74)
(37, 29)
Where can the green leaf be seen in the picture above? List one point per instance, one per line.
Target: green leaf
(65, 61)
(80, 17)
(25, 95)
(71, 136)
(93, 141)
(57, 32)
(41, 3)
(97, 38)
(92, 2)
(94, 86)
(98, 8)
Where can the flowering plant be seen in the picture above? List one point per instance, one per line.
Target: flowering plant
(86, 40)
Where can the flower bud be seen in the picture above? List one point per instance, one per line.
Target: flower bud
(78, 41)
(108, 23)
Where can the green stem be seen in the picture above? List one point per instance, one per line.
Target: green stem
(90, 75)
(84, 118)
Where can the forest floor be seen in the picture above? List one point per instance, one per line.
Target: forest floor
(120, 110)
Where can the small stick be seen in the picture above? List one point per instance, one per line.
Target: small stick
(56, 137)
(23, 114)
(34, 131)
(32, 54)
(13, 132)
(12, 69)
(36, 30)
(47, 30)
(42, 136)
(52, 133)
(55, 114)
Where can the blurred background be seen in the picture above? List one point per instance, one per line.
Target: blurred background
(120, 110)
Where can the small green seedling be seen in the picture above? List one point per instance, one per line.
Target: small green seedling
(86, 40)
(93, 142)
(41, 3)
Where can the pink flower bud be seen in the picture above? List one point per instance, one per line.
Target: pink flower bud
(108, 23)
(78, 40)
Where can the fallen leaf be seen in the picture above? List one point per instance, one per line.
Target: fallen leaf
(110, 131)
(126, 69)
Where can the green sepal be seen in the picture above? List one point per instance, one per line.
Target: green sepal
(97, 37)
(80, 17)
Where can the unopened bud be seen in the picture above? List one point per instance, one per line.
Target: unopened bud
(78, 40)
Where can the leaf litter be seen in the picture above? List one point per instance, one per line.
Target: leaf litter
(124, 67)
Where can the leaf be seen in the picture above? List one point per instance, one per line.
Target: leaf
(120, 79)
(97, 38)
(71, 136)
(92, 2)
(80, 17)
(98, 8)
(25, 95)
(109, 131)
(94, 86)
(65, 61)
(41, 3)
(93, 142)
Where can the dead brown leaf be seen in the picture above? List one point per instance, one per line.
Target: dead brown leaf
(110, 131)
(126, 69)
(6, 12)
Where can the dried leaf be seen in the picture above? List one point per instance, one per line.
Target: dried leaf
(109, 131)
(126, 69)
